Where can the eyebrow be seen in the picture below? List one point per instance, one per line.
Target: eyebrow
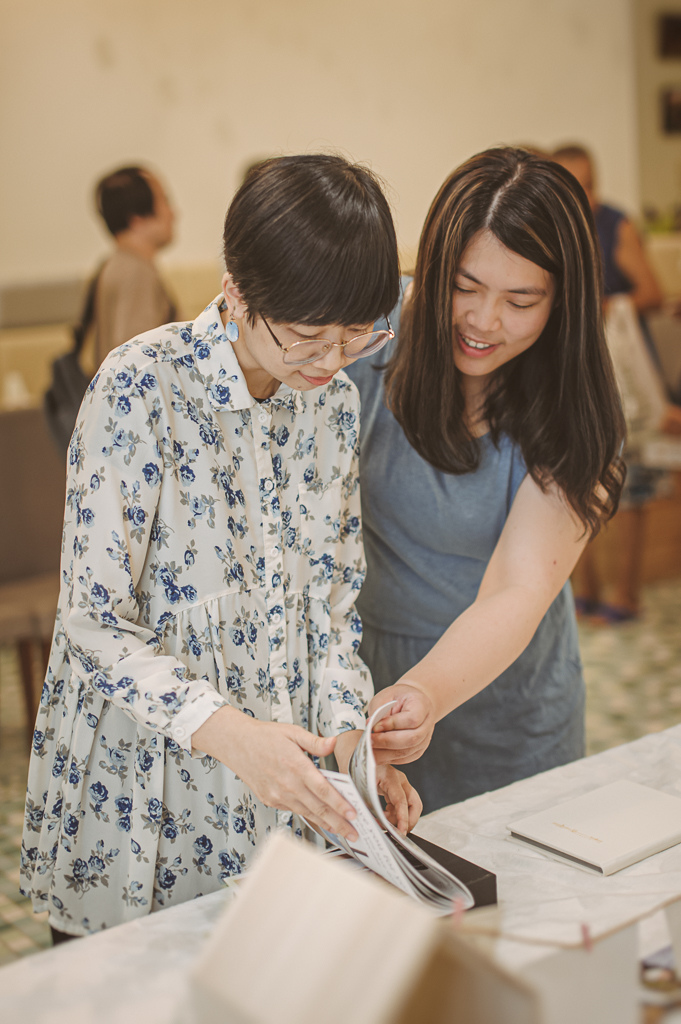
(514, 291)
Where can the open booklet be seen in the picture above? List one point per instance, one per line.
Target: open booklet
(379, 846)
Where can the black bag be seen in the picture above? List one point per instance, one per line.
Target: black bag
(64, 396)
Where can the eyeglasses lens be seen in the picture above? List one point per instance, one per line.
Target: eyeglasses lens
(363, 345)
(367, 344)
(305, 352)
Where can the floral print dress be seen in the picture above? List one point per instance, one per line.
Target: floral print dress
(211, 555)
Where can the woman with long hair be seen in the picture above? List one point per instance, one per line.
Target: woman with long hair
(206, 638)
(491, 439)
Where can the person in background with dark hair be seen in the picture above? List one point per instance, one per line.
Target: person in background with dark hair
(206, 639)
(490, 443)
(130, 296)
(626, 269)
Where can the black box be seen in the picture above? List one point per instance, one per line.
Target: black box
(481, 882)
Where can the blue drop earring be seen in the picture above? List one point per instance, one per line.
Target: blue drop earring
(232, 329)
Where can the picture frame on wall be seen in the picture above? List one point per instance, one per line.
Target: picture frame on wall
(671, 110)
(669, 36)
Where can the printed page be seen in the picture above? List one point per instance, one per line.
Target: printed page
(370, 848)
(428, 875)
(362, 768)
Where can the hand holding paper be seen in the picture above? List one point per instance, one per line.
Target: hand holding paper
(271, 758)
(403, 804)
(404, 734)
(379, 845)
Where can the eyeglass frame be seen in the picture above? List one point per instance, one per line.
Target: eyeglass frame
(331, 344)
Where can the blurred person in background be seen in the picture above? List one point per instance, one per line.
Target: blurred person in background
(126, 296)
(129, 295)
(626, 271)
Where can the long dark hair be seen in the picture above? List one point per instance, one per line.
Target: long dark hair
(557, 400)
(310, 239)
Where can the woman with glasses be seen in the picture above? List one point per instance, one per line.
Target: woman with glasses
(491, 433)
(206, 639)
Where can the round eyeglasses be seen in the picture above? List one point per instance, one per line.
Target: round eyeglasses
(302, 352)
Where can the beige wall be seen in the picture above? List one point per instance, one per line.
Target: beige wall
(660, 154)
(200, 89)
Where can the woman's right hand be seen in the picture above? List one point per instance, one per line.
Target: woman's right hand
(271, 759)
(404, 734)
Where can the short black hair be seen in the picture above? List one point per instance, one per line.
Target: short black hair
(310, 239)
(122, 195)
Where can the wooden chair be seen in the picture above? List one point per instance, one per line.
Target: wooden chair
(31, 516)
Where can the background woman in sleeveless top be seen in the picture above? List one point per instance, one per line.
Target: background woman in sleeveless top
(491, 434)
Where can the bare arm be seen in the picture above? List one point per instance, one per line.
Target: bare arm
(631, 259)
(536, 552)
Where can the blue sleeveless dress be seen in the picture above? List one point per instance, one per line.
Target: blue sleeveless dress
(608, 220)
(428, 537)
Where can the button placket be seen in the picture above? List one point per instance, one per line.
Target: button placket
(281, 709)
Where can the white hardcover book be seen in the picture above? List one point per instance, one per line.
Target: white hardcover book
(607, 829)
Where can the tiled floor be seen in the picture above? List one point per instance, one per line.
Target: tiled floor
(633, 676)
(633, 671)
(21, 932)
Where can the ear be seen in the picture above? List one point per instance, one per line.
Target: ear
(138, 222)
(235, 303)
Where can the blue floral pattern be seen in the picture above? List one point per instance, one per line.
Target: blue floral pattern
(211, 555)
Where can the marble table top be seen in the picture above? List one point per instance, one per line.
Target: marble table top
(138, 971)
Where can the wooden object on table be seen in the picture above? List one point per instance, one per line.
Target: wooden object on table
(309, 939)
(661, 559)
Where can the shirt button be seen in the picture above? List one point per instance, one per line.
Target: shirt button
(269, 484)
(276, 618)
(263, 417)
(274, 552)
(178, 732)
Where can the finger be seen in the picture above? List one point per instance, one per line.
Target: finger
(415, 807)
(400, 817)
(319, 746)
(389, 812)
(328, 804)
(395, 740)
(409, 718)
(380, 701)
(330, 825)
(393, 786)
(305, 801)
(321, 813)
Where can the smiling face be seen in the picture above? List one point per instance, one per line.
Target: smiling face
(501, 305)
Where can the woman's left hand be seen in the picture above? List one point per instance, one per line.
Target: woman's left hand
(403, 804)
